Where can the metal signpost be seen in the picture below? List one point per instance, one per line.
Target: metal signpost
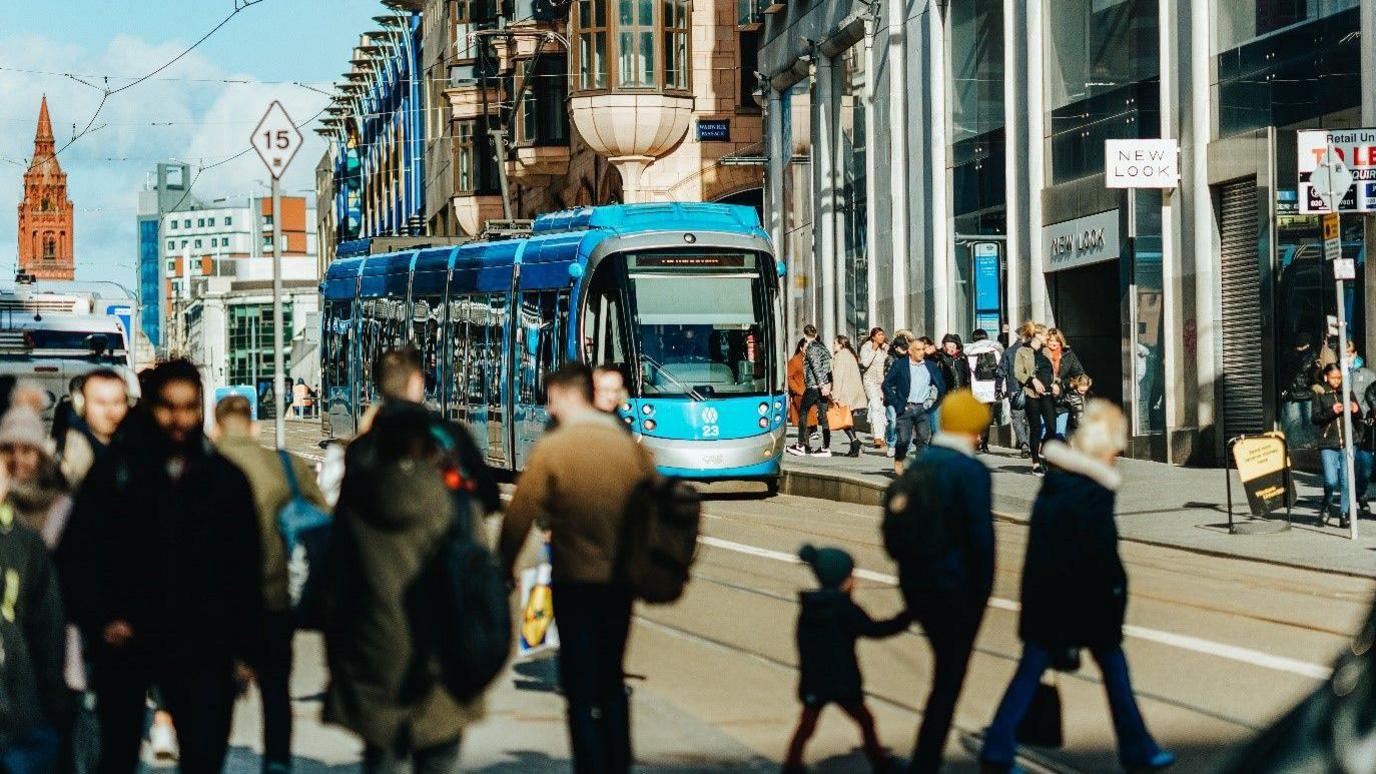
(1331, 180)
(277, 140)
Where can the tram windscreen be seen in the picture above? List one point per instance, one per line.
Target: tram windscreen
(703, 325)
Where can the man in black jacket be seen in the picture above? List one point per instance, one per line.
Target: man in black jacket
(161, 567)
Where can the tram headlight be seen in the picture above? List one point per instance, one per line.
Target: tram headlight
(647, 409)
(778, 405)
(764, 422)
(764, 409)
(649, 424)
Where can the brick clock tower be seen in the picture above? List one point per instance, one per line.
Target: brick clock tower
(45, 214)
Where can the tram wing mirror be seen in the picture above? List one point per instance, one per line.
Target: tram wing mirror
(98, 343)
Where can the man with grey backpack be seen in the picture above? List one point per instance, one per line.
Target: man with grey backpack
(275, 486)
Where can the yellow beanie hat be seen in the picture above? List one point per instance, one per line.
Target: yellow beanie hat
(961, 412)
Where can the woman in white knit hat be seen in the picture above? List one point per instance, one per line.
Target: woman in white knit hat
(37, 492)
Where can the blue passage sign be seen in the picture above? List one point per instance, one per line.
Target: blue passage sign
(714, 130)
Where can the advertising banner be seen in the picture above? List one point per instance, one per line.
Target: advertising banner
(1261, 464)
(1357, 149)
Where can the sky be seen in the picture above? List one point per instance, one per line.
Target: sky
(200, 109)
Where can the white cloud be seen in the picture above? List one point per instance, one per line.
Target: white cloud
(185, 114)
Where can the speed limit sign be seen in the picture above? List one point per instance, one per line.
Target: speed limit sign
(276, 139)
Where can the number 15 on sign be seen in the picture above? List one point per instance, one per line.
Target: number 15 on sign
(276, 139)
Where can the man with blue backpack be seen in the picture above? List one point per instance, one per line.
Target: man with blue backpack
(279, 482)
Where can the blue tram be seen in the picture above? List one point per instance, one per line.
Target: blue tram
(683, 298)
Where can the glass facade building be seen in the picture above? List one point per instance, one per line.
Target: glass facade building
(986, 198)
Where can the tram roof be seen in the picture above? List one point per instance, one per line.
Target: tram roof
(558, 237)
(661, 216)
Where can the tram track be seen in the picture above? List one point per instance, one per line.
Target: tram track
(1358, 601)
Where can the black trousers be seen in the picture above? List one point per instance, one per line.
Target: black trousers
(274, 684)
(440, 759)
(198, 693)
(950, 623)
(1041, 421)
(594, 622)
(812, 396)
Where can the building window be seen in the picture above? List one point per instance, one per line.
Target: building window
(229, 221)
(173, 224)
(676, 47)
(171, 244)
(186, 223)
(200, 222)
(49, 247)
(250, 335)
(749, 59)
(267, 220)
(476, 170)
(210, 221)
(543, 118)
(267, 241)
(592, 44)
(197, 244)
(183, 243)
(171, 266)
(648, 42)
(636, 43)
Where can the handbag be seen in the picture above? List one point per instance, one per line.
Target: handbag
(1041, 724)
(839, 416)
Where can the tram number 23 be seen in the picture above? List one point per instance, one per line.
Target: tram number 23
(710, 428)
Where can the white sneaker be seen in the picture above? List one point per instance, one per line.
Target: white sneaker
(797, 451)
(888, 452)
(820, 453)
(163, 742)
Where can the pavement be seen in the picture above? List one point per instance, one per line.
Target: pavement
(1158, 504)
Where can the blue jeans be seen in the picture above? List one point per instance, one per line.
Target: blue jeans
(915, 428)
(1135, 745)
(1062, 423)
(35, 752)
(891, 426)
(1335, 474)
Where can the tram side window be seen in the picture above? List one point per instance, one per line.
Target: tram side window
(459, 357)
(337, 324)
(426, 318)
(368, 340)
(495, 341)
(543, 318)
(477, 352)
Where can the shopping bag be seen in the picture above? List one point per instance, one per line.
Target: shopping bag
(1041, 725)
(839, 416)
(537, 631)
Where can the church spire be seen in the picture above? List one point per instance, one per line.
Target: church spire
(43, 137)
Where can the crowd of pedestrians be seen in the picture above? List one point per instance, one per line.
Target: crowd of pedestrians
(148, 562)
(897, 384)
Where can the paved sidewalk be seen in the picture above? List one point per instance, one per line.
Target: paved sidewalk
(1160, 504)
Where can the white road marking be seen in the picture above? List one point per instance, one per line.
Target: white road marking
(1182, 641)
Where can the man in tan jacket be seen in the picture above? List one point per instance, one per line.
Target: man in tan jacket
(580, 477)
(236, 439)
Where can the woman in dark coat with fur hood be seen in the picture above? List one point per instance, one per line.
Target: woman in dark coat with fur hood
(1074, 590)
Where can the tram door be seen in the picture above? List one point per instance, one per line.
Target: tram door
(498, 366)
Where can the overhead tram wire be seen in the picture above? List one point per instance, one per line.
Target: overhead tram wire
(107, 92)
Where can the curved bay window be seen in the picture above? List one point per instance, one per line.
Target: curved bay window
(646, 39)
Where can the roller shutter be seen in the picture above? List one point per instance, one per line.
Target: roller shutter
(1240, 277)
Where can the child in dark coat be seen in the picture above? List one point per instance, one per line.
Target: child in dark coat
(829, 623)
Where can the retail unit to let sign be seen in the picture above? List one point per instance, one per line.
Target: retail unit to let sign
(1141, 163)
(1357, 149)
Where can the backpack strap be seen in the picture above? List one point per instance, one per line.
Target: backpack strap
(290, 470)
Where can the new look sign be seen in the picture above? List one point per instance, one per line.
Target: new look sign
(1141, 163)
